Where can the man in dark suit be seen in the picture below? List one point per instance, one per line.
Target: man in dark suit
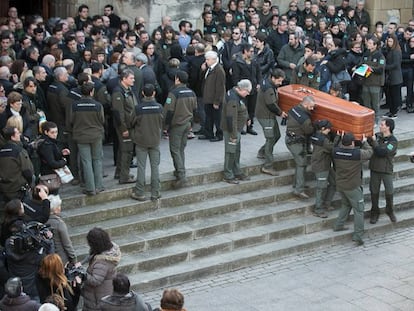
(214, 89)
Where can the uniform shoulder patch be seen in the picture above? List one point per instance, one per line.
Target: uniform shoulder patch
(168, 101)
(318, 79)
(390, 146)
(382, 62)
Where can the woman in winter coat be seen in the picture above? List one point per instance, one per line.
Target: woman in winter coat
(393, 75)
(104, 257)
(51, 157)
(61, 238)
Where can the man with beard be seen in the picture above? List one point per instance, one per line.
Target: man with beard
(266, 111)
(290, 54)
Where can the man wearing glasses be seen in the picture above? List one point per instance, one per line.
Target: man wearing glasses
(233, 46)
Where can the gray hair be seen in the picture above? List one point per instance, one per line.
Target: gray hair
(59, 71)
(211, 54)
(48, 307)
(308, 100)
(55, 202)
(48, 59)
(244, 84)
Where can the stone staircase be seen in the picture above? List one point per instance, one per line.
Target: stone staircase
(212, 227)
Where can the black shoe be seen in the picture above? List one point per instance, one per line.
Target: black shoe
(242, 177)
(214, 139)
(89, 193)
(358, 242)
(251, 131)
(204, 137)
(128, 181)
(373, 218)
(385, 106)
(343, 228)
(243, 132)
(231, 181)
(301, 195)
(155, 197)
(137, 197)
(392, 217)
(75, 182)
(320, 215)
(410, 109)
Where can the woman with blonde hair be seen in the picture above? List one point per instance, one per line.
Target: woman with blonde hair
(51, 279)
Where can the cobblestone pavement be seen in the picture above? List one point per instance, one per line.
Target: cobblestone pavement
(378, 276)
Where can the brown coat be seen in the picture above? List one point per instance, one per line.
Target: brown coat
(214, 86)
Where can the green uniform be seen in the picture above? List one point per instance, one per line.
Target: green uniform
(123, 103)
(321, 163)
(301, 76)
(299, 127)
(381, 167)
(267, 109)
(147, 124)
(371, 86)
(233, 119)
(16, 170)
(178, 110)
(348, 165)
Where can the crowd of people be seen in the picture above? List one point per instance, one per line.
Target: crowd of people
(69, 85)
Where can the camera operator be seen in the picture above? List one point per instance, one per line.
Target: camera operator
(13, 219)
(63, 244)
(52, 279)
(24, 252)
(37, 208)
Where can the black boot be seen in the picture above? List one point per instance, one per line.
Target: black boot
(250, 130)
(389, 207)
(375, 212)
(410, 109)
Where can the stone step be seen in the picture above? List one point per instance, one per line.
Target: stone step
(265, 223)
(195, 267)
(200, 194)
(72, 199)
(242, 215)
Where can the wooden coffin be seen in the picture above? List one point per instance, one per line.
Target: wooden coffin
(344, 115)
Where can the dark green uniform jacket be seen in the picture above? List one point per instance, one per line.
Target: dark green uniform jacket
(147, 123)
(299, 123)
(234, 113)
(87, 120)
(179, 106)
(16, 169)
(348, 165)
(385, 149)
(123, 103)
(267, 101)
(301, 76)
(322, 152)
(376, 61)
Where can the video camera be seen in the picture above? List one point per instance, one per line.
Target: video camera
(72, 271)
(32, 236)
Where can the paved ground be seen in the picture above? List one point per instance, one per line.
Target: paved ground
(378, 276)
